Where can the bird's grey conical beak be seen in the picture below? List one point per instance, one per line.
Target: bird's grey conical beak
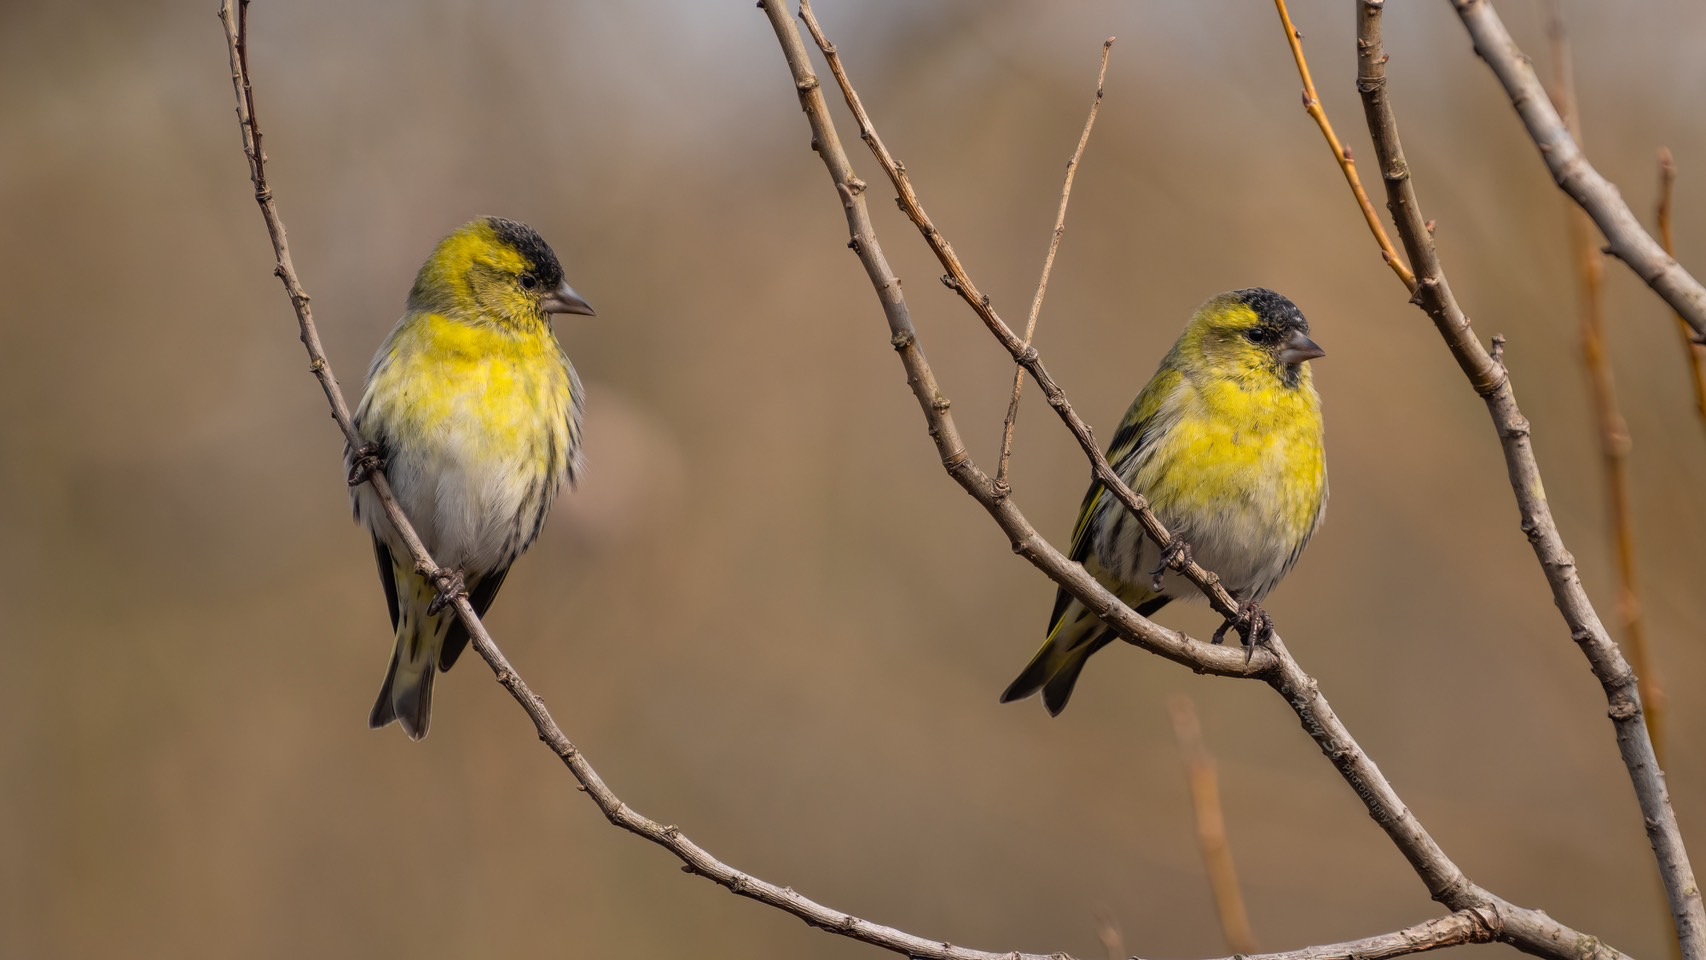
(564, 299)
(1298, 348)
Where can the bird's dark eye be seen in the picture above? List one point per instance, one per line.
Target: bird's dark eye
(1262, 335)
(529, 281)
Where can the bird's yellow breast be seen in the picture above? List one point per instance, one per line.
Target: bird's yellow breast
(1250, 449)
(490, 387)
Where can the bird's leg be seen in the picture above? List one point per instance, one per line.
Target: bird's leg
(366, 460)
(451, 587)
(1177, 555)
(1252, 623)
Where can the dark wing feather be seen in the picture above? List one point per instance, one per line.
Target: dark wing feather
(1133, 434)
(480, 597)
(387, 576)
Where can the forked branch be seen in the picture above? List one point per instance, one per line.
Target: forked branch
(1529, 930)
(695, 859)
(1489, 376)
(1612, 430)
(1347, 164)
(1484, 917)
(1627, 240)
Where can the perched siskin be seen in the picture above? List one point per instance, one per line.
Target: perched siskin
(1226, 443)
(473, 409)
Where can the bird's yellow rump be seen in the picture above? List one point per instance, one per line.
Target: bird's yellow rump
(475, 412)
(1226, 444)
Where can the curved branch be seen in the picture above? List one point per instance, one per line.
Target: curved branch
(1529, 930)
(960, 281)
(1485, 922)
(234, 16)
(1613, 429)
(1491, 379)
(1627, 239)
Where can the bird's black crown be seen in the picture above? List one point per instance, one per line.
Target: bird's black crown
(526, 241)
(1278, 315)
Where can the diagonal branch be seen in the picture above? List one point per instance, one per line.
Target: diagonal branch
(1529, 930)
(1347, 164)
(1048, 267)
(1613, 430)
(1025, 355)
(1487, 920)
(1491, 379)
(1627, 240)
(695, 859)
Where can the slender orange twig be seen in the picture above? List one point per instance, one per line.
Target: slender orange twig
(1312, 104)
(1211, 826)
(1613, 430)
(1695, 351)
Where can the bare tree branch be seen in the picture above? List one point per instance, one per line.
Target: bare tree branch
(1628, 241)
(1477, 925)
(958, 280)
(1210, 819)
(1491, 379)
(1347, 164)
(1692, 348)
(695, 859)
(1487, 919)
(1048, 267)
(1613, 430)
(1529, 930)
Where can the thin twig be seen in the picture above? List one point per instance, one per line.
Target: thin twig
(1490, 377)
(1048, 267)
(1627, 240)
(1613, 432)
(1529, 930)
(958, 280)
(1691, 345)
(1347, 164)
(1204, 781)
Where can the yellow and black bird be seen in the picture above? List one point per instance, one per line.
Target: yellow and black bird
(1226, 444)
(475, 413)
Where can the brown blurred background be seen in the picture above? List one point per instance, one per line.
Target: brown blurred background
(767, 615)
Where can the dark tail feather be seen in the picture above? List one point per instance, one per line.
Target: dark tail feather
(1055, 668)
(384, 714)
(1058, 690)
(1032, 678)
(409, 703)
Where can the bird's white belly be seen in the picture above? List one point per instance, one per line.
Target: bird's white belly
(1243, 538)
(1246, 544)
(464, 502)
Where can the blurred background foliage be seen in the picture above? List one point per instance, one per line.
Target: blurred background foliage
(767, 616)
